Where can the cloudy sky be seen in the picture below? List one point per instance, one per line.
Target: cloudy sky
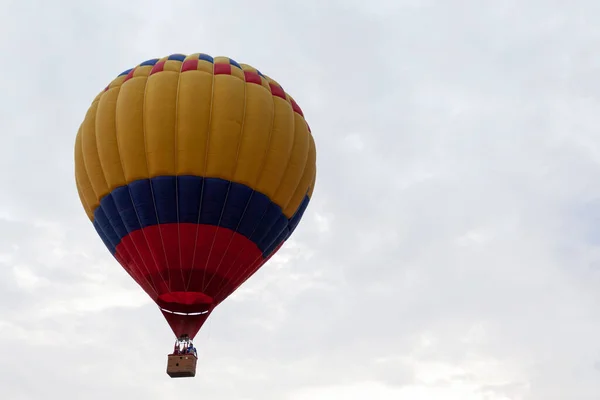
(452, 248)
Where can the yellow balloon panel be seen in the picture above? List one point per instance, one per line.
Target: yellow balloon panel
(196, 116)
(193, 121)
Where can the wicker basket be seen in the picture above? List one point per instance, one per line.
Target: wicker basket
(181, 365)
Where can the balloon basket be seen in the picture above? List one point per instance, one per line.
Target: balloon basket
(181, 365)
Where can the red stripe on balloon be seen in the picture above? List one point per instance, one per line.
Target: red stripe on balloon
(202, 259)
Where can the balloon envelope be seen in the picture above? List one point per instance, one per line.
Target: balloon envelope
(194, 171)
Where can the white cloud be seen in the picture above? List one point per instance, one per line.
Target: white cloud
(451, 250)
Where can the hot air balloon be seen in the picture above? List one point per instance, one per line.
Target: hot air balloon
(194, 171)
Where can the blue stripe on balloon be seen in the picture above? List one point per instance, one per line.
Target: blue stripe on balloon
(206, 57)
(177, 57)
(192, 199)
(126, 72)
(151, 62)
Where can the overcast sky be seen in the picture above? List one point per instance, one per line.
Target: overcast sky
(451, 250)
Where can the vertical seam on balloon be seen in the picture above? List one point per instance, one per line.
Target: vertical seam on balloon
(262, 166)
(176, 161)
(258, 258)
(261, 256)
(287, 161)
(95, 135)
(155, 287)
(245, 247)
(84, 201)
(101, 168)
(78, 185)
(152, 195)
(311, 185)
(208, 133)
(130, 271)
(223, 277)
(298, 188)
(109, 194)
(99, 161)
(88, 210)
(151, 282)
(287, 167)
(237, 154)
